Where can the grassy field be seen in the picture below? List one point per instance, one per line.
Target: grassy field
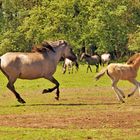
(87, 110)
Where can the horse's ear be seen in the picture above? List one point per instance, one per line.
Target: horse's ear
(46, 45)
(62, 42)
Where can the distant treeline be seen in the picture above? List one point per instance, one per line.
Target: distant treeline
(110, 25)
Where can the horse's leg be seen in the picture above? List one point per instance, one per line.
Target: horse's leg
(11, 87)
(90, 68)
(64, 69)
(115, 88)
(136, 83)
(69, 69)
(53, 80)
(97, 67)
(87, 68)
(121, 92)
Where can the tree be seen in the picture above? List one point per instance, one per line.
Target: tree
(107, 24)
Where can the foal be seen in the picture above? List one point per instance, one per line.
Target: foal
(68, 64)
(118, 72)
(105, 58)
(91, 60)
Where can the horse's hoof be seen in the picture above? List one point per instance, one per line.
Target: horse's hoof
(46, 91)
(21, 101)
(57, 98)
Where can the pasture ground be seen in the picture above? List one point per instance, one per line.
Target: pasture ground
(87, 110)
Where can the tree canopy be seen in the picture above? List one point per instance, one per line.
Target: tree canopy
(108, 24)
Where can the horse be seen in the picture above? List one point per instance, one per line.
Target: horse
(105, 58)
(33, 65)
(68, 64)
(132, 58)
(91, 60)
(119, 71)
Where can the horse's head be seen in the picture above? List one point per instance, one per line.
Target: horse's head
(67, 51)
(82, 56)
(132, 59)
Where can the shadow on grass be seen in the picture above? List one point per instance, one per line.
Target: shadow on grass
(80, 104)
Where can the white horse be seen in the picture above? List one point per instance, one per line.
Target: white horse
(40, 64)
(105, 58)
(68, 64)
(117, 71)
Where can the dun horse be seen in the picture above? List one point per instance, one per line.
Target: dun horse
(126, 71)
(68, 64)
(40, 64)
(91, 60)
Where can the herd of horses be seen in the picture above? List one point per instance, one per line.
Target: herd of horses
(43, 59)
(90, 60)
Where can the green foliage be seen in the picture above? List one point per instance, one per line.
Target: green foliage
(134, 41)
(107, 24)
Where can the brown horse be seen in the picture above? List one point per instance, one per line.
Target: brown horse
(128, 71)
(40, 64)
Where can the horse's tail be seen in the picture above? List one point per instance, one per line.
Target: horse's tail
(100, 74)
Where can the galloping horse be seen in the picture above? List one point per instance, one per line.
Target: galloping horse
(128, 71)
(91, 60)
(40, 64)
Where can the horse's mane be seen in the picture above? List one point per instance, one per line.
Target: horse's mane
(57, 43)
(48, 46)
(132, 59)
(42, 47)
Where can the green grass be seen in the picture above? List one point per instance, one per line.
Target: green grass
(59, 134)
(81, 97)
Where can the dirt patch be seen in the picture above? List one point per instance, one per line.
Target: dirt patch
(77, 109)
(100, 120)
